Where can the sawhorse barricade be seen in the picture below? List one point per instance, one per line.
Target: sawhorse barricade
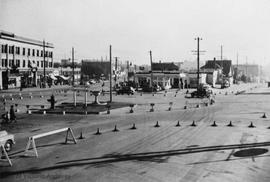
(6, 154)
(31, 140)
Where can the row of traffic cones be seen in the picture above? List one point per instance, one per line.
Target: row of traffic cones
(115, 129)
(193, 124)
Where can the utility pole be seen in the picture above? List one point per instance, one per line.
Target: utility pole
(198, 61)
(246, 66)
(73, 77)
(110, 73)
(127, 71)
(151, 63)
(237, 65)
(221, 59)
(115, 68)
(44, 69)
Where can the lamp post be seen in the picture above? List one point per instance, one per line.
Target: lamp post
(110, 73)
(44, 66)
(198, 61)
(151, 64)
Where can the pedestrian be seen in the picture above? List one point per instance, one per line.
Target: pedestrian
(12, 114)
(52, 100)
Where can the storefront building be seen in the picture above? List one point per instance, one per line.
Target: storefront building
(22, 61)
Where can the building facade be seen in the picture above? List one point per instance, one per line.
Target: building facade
(22, 61)
(251, 71)
(165, 75)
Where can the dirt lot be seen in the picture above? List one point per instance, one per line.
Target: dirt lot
(165, 153)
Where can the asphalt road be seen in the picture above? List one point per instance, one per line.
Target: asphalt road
(165, 153)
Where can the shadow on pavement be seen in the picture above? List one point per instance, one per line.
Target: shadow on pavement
(159, 156)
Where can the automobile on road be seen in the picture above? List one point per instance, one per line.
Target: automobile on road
(126, 90)
(7, 140)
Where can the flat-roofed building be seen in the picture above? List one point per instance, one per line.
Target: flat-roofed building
(22, 61)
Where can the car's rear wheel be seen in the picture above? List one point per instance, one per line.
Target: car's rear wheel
(8, 146)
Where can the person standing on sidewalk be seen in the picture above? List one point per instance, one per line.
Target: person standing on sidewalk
(12, 114)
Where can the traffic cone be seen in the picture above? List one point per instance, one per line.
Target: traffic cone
(98, 132)
(133, 127)
(251, 125)
(81, 135)
(214, 124)
(193, 123)
(178, 124)
(230, 124)
(264, 116)
(115, 129)
(157, 125)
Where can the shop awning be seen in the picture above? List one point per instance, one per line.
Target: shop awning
(53, 77)
(63, 77)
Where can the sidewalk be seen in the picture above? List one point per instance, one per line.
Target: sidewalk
(35, 89)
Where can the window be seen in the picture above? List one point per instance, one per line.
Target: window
(6, 62)
(50, 54)
(29, 64)
(29, 51)
(33, 52)
(46, 54)
(11, 49)
(10, 62)
(23, 53)
(37, 63)
(24, 63)
(4, 48)
(41, 54)
(41, 63)
(3, 62)
(37, 52)
(17, 50)
(17, 62)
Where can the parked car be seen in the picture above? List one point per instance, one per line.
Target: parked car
(202, 91)
(7, 140)
(225, 84)
(207, 87)
(92, 81)
(126, 90)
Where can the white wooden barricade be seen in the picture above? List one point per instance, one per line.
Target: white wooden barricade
(6, 155)
(32, 139)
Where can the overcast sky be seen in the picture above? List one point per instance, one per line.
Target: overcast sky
(133, 27)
